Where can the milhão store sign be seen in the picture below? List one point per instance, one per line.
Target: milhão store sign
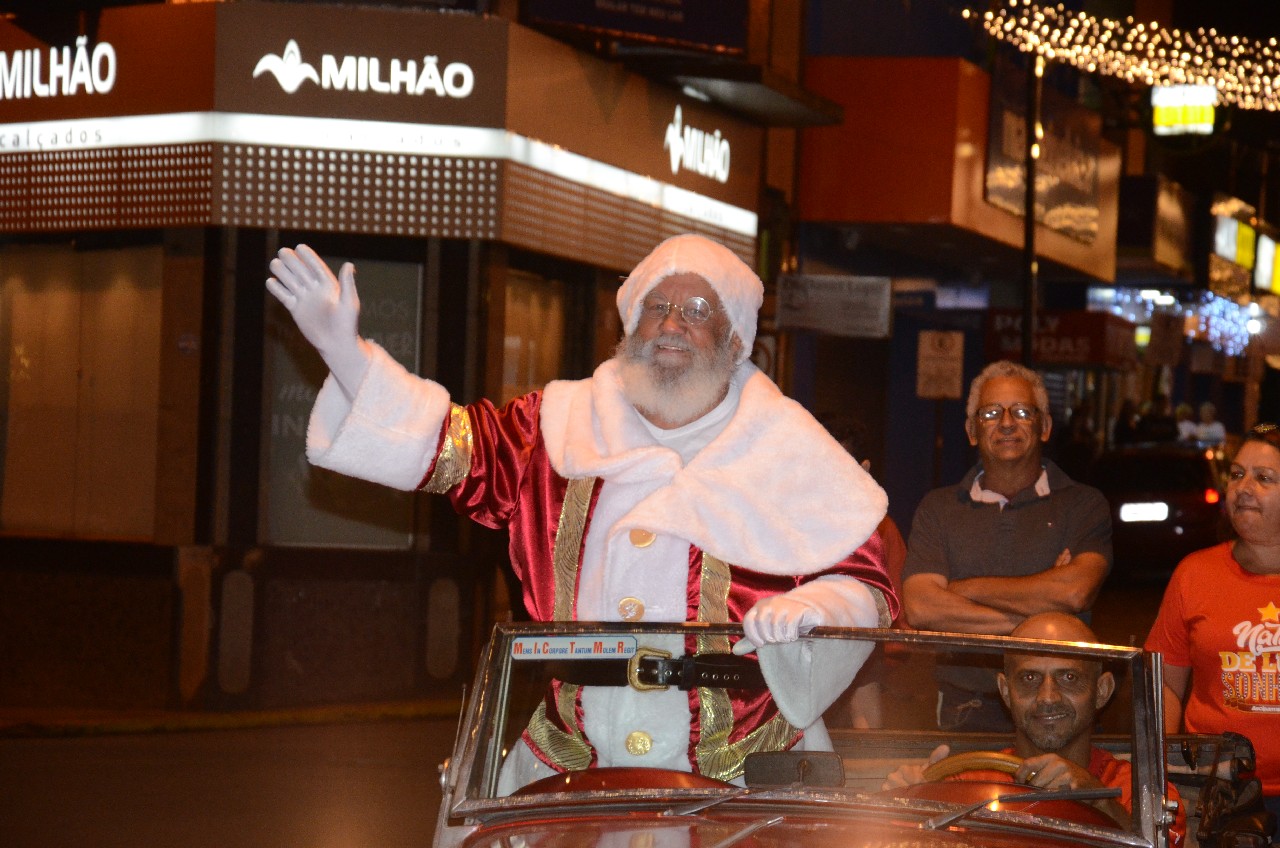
(91, 70)
(342, 78)
(286, 59)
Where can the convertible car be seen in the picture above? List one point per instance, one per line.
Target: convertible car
(877, 723)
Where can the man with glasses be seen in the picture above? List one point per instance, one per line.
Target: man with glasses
(675, 484)
(1015, 538)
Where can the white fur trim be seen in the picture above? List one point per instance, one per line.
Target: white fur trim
(389, 434)
(773, 492)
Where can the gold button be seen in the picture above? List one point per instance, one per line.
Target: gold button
(639, 743)
(642, 538)
(631, 609)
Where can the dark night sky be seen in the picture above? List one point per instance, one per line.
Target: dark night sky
(1258, 19)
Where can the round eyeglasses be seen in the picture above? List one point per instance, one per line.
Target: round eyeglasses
(995, 411)
(694, 311)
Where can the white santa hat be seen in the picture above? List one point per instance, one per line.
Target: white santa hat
(740, 290)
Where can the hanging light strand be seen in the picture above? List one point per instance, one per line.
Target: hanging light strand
(1245, 72)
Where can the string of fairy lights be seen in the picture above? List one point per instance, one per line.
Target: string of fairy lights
(1245, 72)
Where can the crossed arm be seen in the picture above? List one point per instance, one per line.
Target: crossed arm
(996, 605)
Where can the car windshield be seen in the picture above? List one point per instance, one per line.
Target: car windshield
(883, 719)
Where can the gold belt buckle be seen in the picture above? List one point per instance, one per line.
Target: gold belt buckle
(633, 668)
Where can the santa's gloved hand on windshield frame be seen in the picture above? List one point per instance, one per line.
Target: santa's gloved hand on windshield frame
(833, 600)
(326, 310)
(806, 677)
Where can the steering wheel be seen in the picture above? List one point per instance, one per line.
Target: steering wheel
(972, 761)
(972, 790)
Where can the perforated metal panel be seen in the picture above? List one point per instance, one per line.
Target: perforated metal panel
(343, 191)
(166, 185)
(553, 215)
(251, 186)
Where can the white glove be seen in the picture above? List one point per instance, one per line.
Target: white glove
(834, 600)
(326, 310)
(780, 618)
(805, 678)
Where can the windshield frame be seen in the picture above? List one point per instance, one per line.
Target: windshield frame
(471, 795)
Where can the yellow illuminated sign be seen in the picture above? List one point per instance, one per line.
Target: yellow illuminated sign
(1183, 109)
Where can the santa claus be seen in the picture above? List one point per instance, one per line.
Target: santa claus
(677, 483)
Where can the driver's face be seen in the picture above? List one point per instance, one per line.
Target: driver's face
(1053, 700)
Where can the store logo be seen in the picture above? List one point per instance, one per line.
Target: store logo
(696, 150)
(289, 69)
(365, 73)
(70, 71)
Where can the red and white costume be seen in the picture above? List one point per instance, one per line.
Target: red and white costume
(752, 513)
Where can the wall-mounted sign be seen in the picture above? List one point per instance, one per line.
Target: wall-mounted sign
(857, 307)
(367, 73)
(1067, 337)
(1233, 240)
(61, 72)
(940, 365)
(1266, 272)
(361, 62)
(706, 153)
(1183, 109)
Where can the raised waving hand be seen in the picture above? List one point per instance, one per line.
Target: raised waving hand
(325, 308)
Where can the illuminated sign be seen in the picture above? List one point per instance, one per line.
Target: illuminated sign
(364, 73)
(1233, 240)
(1266, 273)
(1225, 231)
(705, 153)
(1183, 109)
(23, 73)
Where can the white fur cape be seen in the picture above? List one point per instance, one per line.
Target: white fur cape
(772, 492)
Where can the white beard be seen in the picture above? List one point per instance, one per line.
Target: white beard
(674, 394)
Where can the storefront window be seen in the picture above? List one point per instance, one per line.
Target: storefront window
(309, 506)
(533, 350)
(80, 396)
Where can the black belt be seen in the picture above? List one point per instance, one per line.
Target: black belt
(650, 669)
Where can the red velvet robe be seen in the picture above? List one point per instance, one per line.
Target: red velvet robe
(512, 485)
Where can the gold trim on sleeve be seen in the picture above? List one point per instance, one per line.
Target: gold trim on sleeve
(453, 463)
(882, 607)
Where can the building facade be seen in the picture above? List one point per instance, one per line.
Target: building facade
(489, 182)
